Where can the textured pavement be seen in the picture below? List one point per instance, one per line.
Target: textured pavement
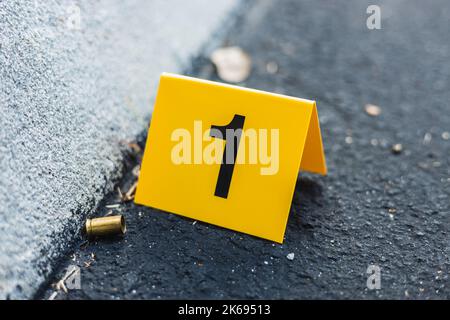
(374, 207)
(76, 84)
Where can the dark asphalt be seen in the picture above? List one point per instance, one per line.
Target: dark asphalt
(374, 207)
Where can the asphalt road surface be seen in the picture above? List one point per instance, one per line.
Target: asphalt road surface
(376, 206)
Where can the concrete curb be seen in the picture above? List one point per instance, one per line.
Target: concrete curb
(76, 83)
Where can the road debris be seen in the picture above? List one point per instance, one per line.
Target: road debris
(392, 211)
(136, 170)
(84, 245)
(436, 164)
(119, 192)
(373, 110)
(397, 148)
(61, 286)
(129, 195)
(423, 165)
(53, 295)
(109, 213)
(272, 67)
(135, 147)
(427, 138)
(112, 206)
(105, 226)
(232, 63)
(290, 256)
(446, 135)
(88, 263)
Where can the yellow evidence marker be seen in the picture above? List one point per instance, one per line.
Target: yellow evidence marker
(228, 155)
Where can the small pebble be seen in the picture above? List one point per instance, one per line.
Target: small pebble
(436, 164)
(348, 140)
(233, 64)
(397, 148)
(423, 165)
(427, 138)
(290, 256)
(373, 110)
(272, 67)
(446, 135)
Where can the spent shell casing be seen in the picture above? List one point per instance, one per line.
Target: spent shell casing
(105, 226)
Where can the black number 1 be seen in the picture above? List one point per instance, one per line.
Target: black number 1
(226, 169)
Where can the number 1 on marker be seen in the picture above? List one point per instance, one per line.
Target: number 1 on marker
(228, 160)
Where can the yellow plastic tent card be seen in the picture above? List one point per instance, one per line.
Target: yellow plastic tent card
(228, 155)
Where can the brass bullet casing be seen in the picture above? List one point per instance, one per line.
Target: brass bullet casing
(106, 226)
